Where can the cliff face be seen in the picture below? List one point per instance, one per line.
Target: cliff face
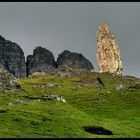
(74, 60)
(108, 53)
(12, 58)
(42, 60)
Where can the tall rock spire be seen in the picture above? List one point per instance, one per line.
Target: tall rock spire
(108, 53)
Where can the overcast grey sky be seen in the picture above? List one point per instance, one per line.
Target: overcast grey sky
(58, 26)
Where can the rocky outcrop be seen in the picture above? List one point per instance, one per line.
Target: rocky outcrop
(45, 97)
(73, 60)
(42, 60)
(108, 53)
(12, 58)
(7, 81)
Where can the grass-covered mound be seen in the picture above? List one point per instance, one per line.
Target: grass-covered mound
(93, 100)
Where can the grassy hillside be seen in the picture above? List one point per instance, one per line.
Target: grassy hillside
(88, 103)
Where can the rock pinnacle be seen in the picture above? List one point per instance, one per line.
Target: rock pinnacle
(108, 52)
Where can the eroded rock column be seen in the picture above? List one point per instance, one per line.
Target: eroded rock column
(108, 52)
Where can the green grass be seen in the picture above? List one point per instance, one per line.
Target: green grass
(94, 105)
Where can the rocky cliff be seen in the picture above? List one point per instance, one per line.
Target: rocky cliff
(12, 58)
(108, 53)
(73, 60)
(41, 60)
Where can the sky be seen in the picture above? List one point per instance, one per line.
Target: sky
(59, 26)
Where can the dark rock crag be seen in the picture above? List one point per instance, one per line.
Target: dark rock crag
(12, 58)
(42, 60)
(74, 60)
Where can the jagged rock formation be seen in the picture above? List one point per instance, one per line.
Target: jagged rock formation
(42, 60)
(108, 53)
(12, 58)
(74, 60)
(7, 81)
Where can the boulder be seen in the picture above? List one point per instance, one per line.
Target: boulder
(120, 87)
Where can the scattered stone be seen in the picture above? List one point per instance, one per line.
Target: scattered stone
(50, 85)
(44, 86)
(18, 102)
(108, 91)
(79, 85)
(63, 100)
(108, 53)
(120, 87)
(37, 74)
(74, 60)
(53, 96)
(45, 97)
(8, 82)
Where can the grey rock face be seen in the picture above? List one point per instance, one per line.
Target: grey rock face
(74, 60)
(12, 58)
(42, 60)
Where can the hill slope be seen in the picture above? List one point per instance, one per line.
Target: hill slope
(92, 99)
